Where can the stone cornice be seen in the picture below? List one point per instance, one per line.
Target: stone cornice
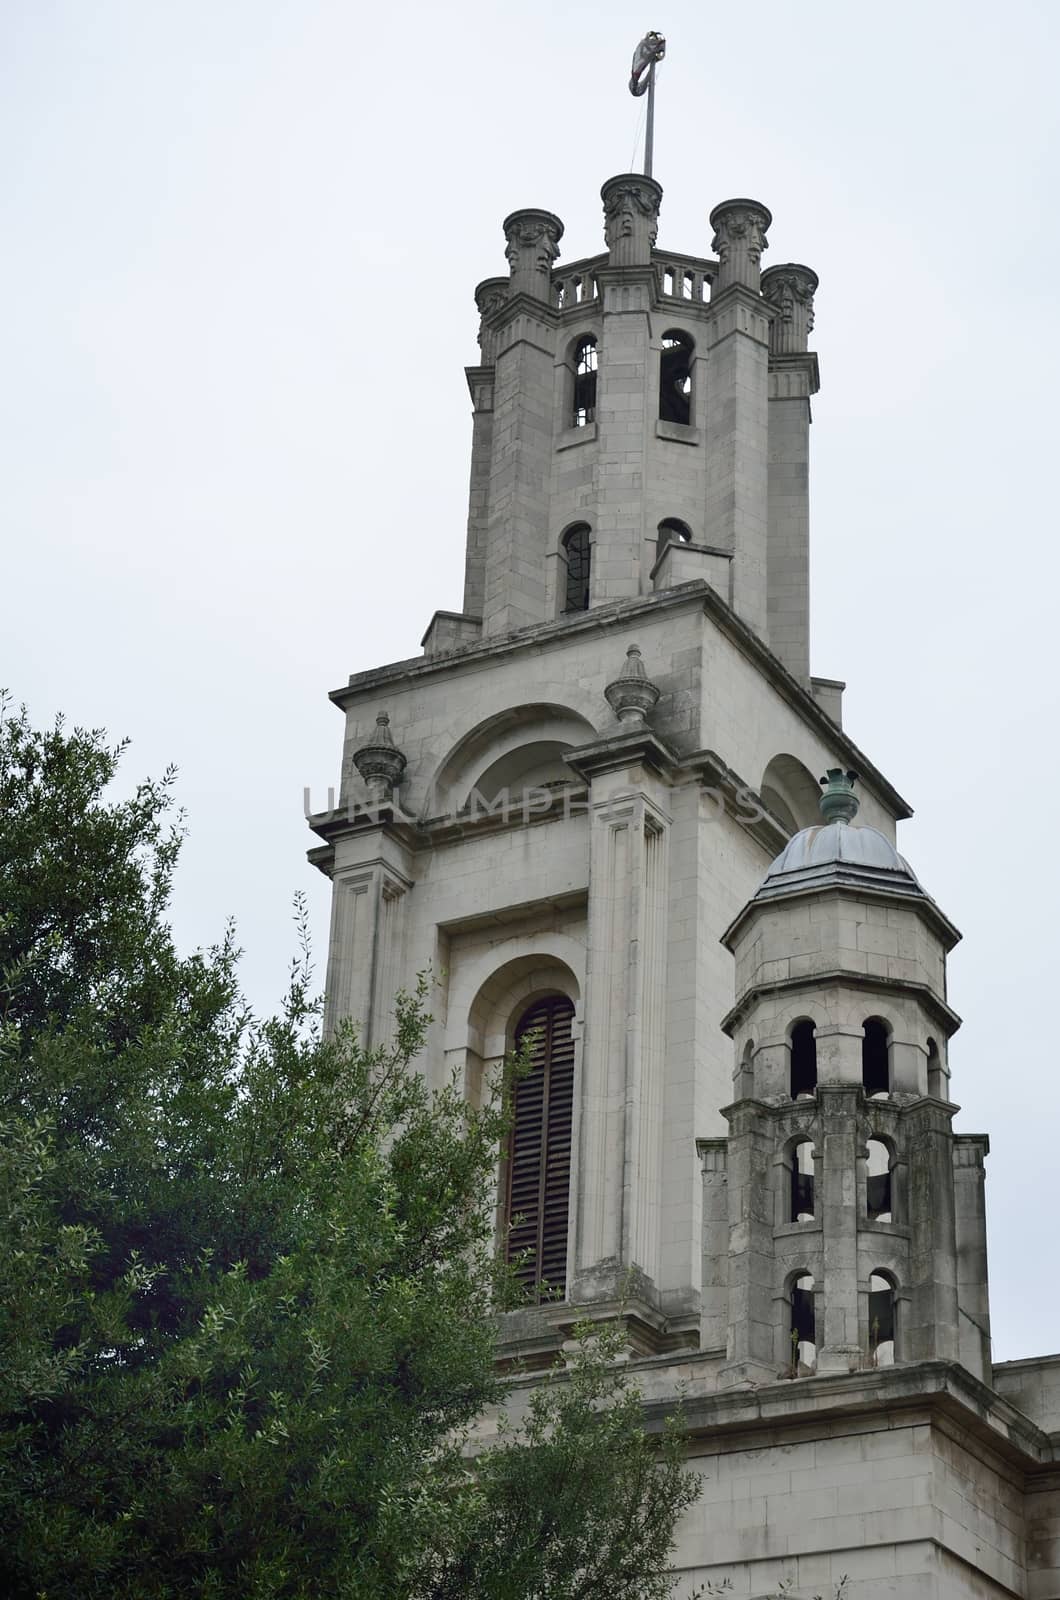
(848, 885)
(622, 749)
(792, 377)
(946, 1018)
(480, 381)
(944, 1389)
(358, 819)
(619, 614)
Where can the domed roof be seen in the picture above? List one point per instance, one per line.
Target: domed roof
(838, 855)
(839, 841)
(838, 852)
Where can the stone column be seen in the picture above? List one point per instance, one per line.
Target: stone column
(713, 1154)
(793, 378)
(489, 297)
(751, 1343)
(838, 1341)
(973, 1291)
(628, 288)
(736, 512)
(931, 1330)
(739, 240)
(623, 1059)
(533, 246)
(631, 218)
(519, 534)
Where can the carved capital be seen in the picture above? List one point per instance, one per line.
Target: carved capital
(790, 289)
(631, 218)
(490, 295)
(533, 245)
(739, 240)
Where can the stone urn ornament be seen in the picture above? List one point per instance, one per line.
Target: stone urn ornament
(380, 763)
(632, 695)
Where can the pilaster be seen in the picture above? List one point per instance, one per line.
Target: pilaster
(623, 420)
(839, 1345)
(489, 297)
(737, 431)
(618, 1190)
(793, 378)
(523, 342)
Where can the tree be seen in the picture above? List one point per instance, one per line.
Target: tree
(247, 1279)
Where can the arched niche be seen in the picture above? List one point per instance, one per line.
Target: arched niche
(521, 747)
(791, 792)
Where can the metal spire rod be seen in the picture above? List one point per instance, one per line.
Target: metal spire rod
(648, 53)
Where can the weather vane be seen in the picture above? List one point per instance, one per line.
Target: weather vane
(651, 50)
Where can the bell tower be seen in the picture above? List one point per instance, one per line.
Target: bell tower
(633, 401)
(588, 801)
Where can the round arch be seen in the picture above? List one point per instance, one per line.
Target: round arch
(485, 997)
(791, 793)
(488, 747)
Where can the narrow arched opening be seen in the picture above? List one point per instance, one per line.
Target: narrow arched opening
(883, 1319)
(876, 1057)
(803, 1325)
(538, 1155)
(675, 376)
(803, 1059)
(672, 531)
(583, 410)
(803, 1198)
(879, 1182)
(577, 555)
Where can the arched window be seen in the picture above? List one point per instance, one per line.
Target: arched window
(584, 410)
(802, 1195)
(883, 1319)
(879, 1183)
(803, 1059)
(803, 1330)
(537, 1189)
(575, 544)
(673, 532)
(876, 1057)
(675, 377)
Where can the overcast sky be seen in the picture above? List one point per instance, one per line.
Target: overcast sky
(240, 244)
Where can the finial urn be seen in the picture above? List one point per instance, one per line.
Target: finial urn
(790, 290)
(631, 218)
(739, 240)
(379, 762)
(632, 694)
(838, 803)
(532, 249)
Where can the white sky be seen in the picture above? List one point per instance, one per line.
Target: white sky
(240, 244)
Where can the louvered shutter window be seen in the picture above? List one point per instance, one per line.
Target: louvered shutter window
(538, 1157)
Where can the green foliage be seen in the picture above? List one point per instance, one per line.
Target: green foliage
(247, 1278)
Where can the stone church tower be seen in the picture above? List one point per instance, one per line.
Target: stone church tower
(591, 806)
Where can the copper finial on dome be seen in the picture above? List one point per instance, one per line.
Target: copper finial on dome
(839, 803)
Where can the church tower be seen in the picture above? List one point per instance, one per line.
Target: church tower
(591, 808)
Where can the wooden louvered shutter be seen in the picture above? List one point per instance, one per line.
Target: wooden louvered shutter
(539, 1146)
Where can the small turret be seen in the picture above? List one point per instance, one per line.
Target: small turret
(851, 1212)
